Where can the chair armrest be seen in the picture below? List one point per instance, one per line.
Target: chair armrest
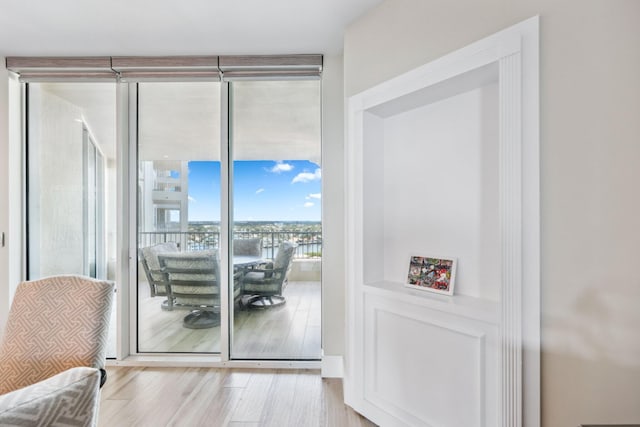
(268, 272)
(72, 396)
(261, 270)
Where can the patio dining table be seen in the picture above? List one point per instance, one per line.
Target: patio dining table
(240, 261)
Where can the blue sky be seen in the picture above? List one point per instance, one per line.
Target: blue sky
(263, 191)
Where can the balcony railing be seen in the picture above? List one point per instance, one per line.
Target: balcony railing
(309, 242)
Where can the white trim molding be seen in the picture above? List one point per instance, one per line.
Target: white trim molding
(332, 367)
(510, 190)
(510, 58)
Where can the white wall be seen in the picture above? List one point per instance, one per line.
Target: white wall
(10, 193)
(333, 280)
(4, 191)
(441, 189)
(590, 133)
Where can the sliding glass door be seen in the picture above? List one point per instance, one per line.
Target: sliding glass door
(276, 228)
(226, 217)
(178, 230)
(71, 149)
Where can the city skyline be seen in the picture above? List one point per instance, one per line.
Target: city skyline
(263, 190)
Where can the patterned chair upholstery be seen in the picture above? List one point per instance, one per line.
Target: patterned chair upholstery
(70, 398)
(265, 283)
(55, 324)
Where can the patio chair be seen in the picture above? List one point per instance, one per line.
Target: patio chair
(193, 282)
(156, 278)
(265, 283)
(56, 325)
(247, 247)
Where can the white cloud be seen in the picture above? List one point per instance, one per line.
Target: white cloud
(308, 204)
(308, 176)
(191, 199)
(281, 167)
(259, 190)
(313, 196)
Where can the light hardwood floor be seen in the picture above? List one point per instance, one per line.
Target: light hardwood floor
(290, 331)
(214, 397)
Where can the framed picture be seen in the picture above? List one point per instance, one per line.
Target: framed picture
(432, 274)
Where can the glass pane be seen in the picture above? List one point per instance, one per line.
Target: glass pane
(178, 217)
(71, 182)
(89, 203)
(277, 240)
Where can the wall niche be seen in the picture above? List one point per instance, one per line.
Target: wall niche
(443, 161)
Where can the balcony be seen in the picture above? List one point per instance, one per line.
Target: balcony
(309, 242)
(289, 331)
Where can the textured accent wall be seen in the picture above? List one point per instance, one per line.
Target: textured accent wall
(56, 187)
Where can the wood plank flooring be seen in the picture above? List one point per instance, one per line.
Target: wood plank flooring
(291, 331)
(192, 397)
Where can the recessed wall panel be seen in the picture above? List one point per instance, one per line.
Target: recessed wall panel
(427, 367)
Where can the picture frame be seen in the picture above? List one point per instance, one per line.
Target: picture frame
(433, 274)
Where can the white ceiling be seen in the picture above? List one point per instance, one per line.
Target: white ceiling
(277, 120)
(184, 27)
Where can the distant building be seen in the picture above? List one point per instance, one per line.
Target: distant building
(164, 195)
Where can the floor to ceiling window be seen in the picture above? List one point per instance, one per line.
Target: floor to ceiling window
(196, 187)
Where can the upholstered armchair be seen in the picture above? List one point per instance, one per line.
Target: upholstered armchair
(55, 324)
(70, 398)
(264, 284)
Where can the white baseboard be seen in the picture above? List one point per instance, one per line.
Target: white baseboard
(332, 367)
